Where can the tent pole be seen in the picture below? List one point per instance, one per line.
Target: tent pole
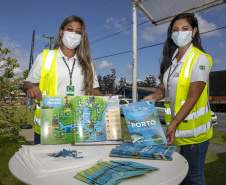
(134, 85)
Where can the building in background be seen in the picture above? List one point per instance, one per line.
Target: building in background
(126, 92)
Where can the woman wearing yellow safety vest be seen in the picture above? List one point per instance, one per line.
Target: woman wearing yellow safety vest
(65, 70)
(184, 74)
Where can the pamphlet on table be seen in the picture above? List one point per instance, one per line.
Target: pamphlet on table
(113, 172)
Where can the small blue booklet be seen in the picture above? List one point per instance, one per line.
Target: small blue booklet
(143, 124)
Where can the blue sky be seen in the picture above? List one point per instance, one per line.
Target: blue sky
(103, 18)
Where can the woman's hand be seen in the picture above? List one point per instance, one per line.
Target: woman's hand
(32, 91)
(149, 97)
(170, 132)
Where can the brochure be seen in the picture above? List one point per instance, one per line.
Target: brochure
(143, 124)
(69, 119)
(157, 152)
(113, 172)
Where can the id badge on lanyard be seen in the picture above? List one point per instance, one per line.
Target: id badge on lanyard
(70, 90)
(167, 98)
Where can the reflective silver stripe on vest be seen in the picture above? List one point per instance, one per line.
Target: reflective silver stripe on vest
(49, 59)
(196, 131)
(167, 123)
(37, 121)
(194, 115)
(168, 111)
(186, 72)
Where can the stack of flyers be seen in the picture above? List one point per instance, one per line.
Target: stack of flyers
(113, 172)
(157, 152)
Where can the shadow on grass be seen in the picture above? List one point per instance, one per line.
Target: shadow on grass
(215, 169)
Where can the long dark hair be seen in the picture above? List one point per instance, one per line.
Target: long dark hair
(83, 53)
(169, 46)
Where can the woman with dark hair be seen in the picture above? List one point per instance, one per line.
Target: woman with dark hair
(65, 70)
(184, 74)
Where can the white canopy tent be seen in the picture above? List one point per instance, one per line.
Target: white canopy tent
(162, 11)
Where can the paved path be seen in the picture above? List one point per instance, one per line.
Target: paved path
(28, 135)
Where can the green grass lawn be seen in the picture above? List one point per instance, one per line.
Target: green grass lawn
(9, 144)
(218, 138)
(214, 169)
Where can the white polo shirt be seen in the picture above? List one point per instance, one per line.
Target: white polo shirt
(197, 74)
(63, 74)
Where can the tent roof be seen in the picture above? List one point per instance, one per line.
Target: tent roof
(161, 11)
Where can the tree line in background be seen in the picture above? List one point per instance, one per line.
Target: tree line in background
(108, 83)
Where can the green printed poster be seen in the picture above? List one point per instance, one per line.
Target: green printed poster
(68, 119)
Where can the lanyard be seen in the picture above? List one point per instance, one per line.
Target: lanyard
(172, 72)
(70, 72)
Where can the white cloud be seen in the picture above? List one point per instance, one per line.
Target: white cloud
(217, 61)
(117, 81)
(151, 34)
(22, 57)
(116, 24)
(104, 64)
(205, 26)
(222, 45)
(129, 67)
(18, 71)
(128, 81)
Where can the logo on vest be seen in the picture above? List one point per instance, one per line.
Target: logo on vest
(201, 67)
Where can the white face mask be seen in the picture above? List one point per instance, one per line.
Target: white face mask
(182, 38)
(71, 40)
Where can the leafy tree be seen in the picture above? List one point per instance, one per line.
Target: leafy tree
(122, 82)
(107, 83)
(150, 81)
(101, 88)
(10, 121)
(140, 84)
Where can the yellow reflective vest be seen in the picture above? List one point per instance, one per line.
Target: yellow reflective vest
(48, 81)
(197, 126)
